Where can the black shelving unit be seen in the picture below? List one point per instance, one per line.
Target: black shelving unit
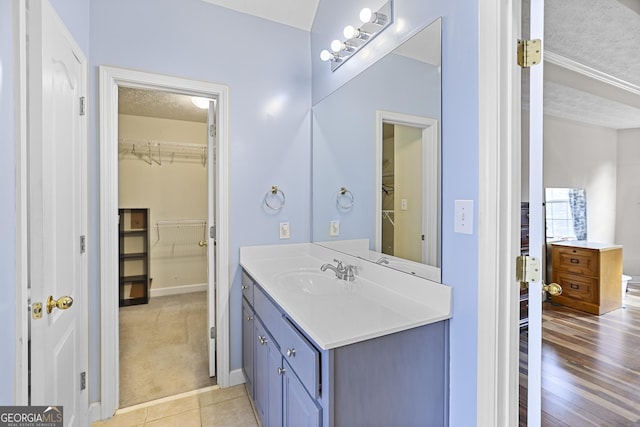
(134, 256)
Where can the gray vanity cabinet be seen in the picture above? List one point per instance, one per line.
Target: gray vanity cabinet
(248, 321)
(398, 379)
(279, 396)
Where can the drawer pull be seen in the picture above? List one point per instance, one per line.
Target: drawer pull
(262, 340)
(291, 352)
(249, 318)
(575, 261)
(245, 287)
(281, 371)
(574, 286)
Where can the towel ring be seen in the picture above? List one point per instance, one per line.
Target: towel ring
(273, 195)
(344, 199)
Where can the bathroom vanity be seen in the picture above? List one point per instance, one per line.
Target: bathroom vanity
(322, 351)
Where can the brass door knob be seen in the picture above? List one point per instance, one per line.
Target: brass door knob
(61, 303)
(203, 243)
(553, 289)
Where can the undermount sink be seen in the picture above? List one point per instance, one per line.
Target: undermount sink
(311, 282)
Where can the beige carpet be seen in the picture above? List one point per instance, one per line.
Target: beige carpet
(163, 348)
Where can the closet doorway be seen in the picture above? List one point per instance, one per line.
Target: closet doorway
(163, 165)
(215, 162)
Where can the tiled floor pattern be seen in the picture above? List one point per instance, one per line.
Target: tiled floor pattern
(210, 407)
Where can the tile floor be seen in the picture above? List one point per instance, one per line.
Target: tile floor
(209, 407)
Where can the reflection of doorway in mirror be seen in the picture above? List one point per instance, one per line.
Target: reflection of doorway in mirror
(402, 192)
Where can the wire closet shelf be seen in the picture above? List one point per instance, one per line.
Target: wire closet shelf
(157, 152)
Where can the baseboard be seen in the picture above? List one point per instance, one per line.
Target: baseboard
(236, 377)
(176, 290)
(95, 412)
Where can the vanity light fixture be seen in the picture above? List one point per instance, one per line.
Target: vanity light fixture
(373, 23)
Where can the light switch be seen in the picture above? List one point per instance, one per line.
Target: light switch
(463, 216)
(334, 228)
(403, 204)
(285, 232)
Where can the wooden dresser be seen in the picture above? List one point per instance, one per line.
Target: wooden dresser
(590, 275)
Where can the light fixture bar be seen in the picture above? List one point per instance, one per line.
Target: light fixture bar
(373, 23)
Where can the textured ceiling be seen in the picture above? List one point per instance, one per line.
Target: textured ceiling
(164, 105)
(602, 35)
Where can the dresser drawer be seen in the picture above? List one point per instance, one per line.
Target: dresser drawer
(302, 356)
(247, 287)
(578, 287)
(575, 260)
(268, 312)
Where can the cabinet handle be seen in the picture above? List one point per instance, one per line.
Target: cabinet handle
(281, 371)
(575, 261)
(574, 286)
(245, 287)
(291, 352)
(262, 340)
(249, 318)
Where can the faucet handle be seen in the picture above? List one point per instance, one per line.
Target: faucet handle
(340, 266)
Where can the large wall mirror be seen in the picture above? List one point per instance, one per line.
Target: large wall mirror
(376, 160)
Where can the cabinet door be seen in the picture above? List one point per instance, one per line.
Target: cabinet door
(248, 345)
(267, 381)
(300, 410)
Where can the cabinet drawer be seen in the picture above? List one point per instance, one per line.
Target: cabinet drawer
(247, 287)
(269, 314)
(578, 287)
(302, 356)
(579, 261)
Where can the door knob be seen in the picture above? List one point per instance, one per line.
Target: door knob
(61, 303)
(553, 289)
(203, 243)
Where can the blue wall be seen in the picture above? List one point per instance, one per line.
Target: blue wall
(459, 152)
(7, 207)
(267, 69)
(263, 63)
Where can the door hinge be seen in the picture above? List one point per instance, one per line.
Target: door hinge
(212, 333)
(83, 380)
(83, 106)
(83, 244)
(212, 231)
(527, 269)
(212, 130)
(529, 52)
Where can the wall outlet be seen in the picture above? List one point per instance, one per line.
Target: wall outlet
(403, 204)
(334, 228)
(285, 231)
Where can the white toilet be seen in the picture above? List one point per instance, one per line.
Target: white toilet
(624, 283)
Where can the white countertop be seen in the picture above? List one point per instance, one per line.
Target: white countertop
(378, 302)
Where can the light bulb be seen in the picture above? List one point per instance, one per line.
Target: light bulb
(202, 103)
(337, 46)
(325, 55)
(349, 32)
(369, 16)
(366, 14)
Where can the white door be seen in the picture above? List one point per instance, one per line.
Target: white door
(57, 214)
(536, 220)
(211, 253)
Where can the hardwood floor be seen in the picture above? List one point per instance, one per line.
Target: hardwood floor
(590, 366)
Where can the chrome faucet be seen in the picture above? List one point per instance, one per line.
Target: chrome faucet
(342, 272)
(382, 260)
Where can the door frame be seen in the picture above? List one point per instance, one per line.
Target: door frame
(499, 111)
(430, 176)
(110, 79)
